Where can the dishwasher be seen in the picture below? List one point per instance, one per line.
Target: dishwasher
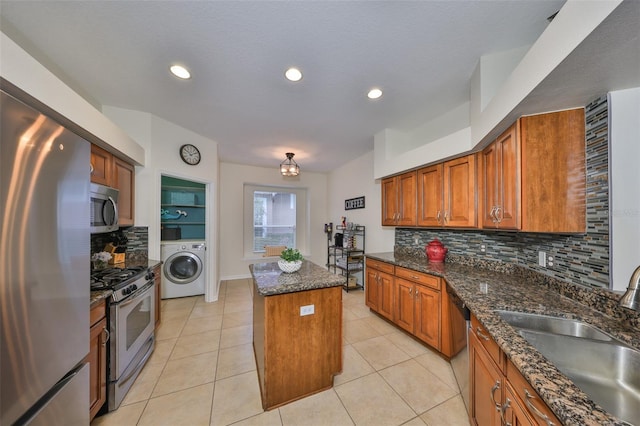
(460, 323)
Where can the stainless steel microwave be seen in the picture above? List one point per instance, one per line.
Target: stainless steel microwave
(104, 209)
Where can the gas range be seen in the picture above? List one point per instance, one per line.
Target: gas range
(122, 281)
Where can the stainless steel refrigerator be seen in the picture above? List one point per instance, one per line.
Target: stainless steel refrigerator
(44, 269)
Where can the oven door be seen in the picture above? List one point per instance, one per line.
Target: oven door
(132, 324)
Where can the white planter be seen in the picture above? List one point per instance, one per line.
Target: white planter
(289, 267)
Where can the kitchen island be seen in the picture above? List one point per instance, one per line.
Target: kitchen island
(297, 331)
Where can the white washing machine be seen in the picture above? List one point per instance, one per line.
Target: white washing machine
(183, 268)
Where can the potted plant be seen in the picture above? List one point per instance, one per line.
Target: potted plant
(290, 260)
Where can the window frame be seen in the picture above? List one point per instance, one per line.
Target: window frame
(302, 217)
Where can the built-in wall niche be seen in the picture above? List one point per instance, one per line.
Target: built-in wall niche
(182, 209)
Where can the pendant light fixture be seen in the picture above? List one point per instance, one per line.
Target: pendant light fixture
(289, 167)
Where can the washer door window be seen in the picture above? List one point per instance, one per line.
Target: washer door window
(183, 268)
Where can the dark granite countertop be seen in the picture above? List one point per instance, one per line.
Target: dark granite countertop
(98, 296)
(270, 280)
(485, 290)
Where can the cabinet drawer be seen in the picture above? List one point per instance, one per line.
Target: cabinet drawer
(381, 266)
(97, 312)
(487, 342)
(529, 396)
(418, 277)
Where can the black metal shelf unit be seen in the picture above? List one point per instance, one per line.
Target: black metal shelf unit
(348, 258)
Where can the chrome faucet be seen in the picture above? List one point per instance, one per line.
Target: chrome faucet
(631, 299)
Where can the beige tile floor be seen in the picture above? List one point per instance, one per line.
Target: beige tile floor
(203, 372)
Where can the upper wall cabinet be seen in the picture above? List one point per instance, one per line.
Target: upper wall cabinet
(399, 200)
(124, 176)
(101, 166)
(460, 192)
(109, 170)
(447, 193)
(533, 176)
(430, 204)
(500, 181)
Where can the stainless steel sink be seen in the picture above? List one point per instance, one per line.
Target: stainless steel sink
(604, 368)
(555, 325)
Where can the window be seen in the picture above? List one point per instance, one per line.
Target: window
(274, 219)
(274, 216)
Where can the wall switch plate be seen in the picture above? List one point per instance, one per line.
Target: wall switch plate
(307, 310)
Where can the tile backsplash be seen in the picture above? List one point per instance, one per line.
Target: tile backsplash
(580, 259)
(137, 242)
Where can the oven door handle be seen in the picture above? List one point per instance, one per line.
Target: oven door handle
(135, 295)
(141, 364)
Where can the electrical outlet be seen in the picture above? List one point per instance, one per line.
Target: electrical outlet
(550, 261)
(483, 248)
(542, 259)
(307, 310)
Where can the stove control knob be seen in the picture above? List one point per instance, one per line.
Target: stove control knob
(150, 276)
(134, 287)
(125, 291)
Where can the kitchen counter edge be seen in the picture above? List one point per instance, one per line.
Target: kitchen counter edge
(269, 280)
(484, 291)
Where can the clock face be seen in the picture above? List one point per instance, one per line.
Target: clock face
(190, 154)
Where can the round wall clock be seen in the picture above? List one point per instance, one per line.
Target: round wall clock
(190, 154)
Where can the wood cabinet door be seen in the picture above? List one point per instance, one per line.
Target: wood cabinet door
(101, 163)
(405, 303)
(486, 386)
(389, 201)
(124, 180)
(427, 327)
(508, 179)
(430, 196)
(407, 199)
(553, 172)
(385, 295)
(514, 413)
(488, 187)
(460, 192)
(372, 288)
(97, 359)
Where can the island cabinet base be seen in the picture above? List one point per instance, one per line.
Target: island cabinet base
(297, 355)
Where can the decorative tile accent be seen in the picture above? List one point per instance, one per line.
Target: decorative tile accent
(580, 259)
(137, 244)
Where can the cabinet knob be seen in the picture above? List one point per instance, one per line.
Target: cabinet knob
(107, 336)
(535, 411)
(498, 214)
(481, 335)
(494, 388)
(503, 411)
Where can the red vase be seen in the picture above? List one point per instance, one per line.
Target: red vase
(436, 251)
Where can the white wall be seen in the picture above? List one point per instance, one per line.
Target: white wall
(571, 26)
(624, 181)
(23, 71)
(355, 179)
(233, 263)
(162, 140)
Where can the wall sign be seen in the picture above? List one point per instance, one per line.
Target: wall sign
(354, 203)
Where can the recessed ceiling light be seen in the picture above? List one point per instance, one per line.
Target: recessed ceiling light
(293, 74)
(374, 93)
(180, 72)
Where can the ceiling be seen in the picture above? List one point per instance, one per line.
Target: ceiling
(421, 53)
